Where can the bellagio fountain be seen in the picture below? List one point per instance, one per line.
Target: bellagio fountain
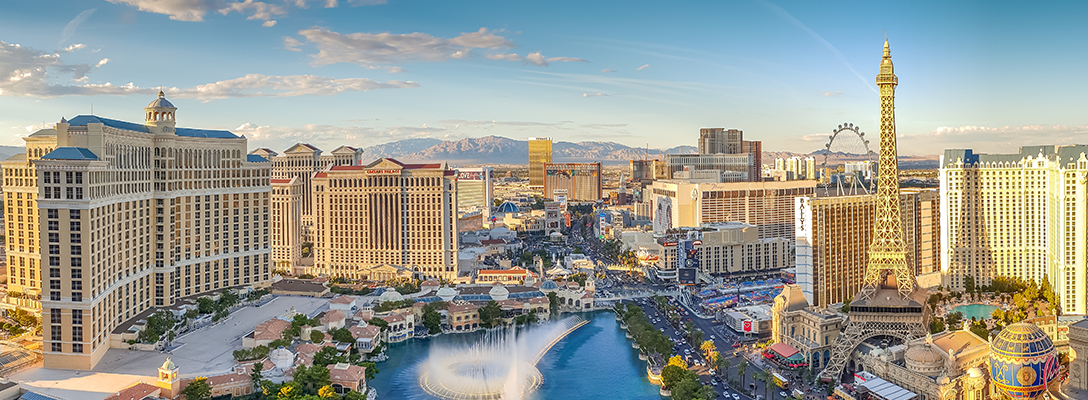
(501, 365)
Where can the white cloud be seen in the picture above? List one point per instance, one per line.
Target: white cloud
(371, 49)
(291, 43)
(538, 59)
(504, 57)
(999, 139)
(71, 48)
(195, 10)
(644, 66)
(829, 94)
(28, 72)
(70, 28)
(378, 50)
(269, 24)
(606, 70)
(38, 127)
(102, 62)
(593, 94)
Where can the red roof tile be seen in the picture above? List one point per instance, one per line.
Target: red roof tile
(135, 392)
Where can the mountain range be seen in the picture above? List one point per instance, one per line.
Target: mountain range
(503, 150)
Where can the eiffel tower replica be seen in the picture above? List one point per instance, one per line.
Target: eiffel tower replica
(890, 302)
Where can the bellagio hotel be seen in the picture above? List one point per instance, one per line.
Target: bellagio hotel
(130, 216)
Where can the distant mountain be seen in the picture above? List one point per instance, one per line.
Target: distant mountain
(836, 158)
(395, 149)
(503, 150)
(8, 151)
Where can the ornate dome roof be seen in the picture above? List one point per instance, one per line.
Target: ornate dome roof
(168, 364)
(447, 293)
(507, 207)
(974, 372)
(390, 295)
(549, 285)
(922, 358)
(1023, 361)
(281, 358)
(161, 102)
(499, 292)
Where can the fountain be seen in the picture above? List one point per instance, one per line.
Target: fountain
(501, 365)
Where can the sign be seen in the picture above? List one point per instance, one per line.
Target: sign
(383, 171)
(470, 176)
(747, 325)
(686, 276)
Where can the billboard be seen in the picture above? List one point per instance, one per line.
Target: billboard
(686, 276)
(662, 214)
(470, 176)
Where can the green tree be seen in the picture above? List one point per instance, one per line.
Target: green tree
(256, 375)
(379, 323)
(205, 305)
(954, 321)
(198, 389)
(969, 284)
(979, 328)
(312, 378)
(317, 336)
(936, 326)
(696, 336)
(328, 355)
(490, 314)
(741, 369)
(846, 305)
(671, 374)
(342, 335)
(433, 321)
(275, 344)
(553, 303)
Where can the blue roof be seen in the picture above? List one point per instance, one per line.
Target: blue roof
(82, 120)
(508, 207)
(70, 153)
(35, 396)
(255, 158)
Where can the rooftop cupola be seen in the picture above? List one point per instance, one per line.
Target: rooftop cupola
(159, 116)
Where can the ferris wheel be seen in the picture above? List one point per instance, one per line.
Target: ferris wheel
(848, 165)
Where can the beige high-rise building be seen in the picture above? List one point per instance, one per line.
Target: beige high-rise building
(1017, 215)
(834, 234)
(768, 205)
(572, 181)
(540, 153)
(386, 215)
(721, 141)
(135, 216)
(303, 160)
(287, 223)
(476, 189)
(21, 215)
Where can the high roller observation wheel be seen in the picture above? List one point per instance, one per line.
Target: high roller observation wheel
(848, 183)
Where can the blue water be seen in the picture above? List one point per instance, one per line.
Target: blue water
(595, 361)
(979, 311)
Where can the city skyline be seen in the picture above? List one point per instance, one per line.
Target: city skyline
(452, 72)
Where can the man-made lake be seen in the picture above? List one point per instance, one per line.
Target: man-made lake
(595, 361)
(979, 311)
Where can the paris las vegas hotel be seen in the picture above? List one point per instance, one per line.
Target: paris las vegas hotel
(107, 219)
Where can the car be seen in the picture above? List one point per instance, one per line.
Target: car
(736, 344)
(783, 394)
(714, 382)
(737, 397)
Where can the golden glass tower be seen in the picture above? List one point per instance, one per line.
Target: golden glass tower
(540, 153)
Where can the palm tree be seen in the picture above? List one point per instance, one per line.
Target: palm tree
(708, 347)
(741, 368)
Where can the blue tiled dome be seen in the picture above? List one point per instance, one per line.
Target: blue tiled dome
(508, 207)
(548, 285)
(1023, 361)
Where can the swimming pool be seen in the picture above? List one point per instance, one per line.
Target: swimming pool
(979, 311)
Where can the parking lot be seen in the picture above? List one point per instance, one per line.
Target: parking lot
(204, 352)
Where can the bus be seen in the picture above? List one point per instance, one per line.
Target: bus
(780, 380)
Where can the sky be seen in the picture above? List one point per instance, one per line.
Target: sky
(989, 76)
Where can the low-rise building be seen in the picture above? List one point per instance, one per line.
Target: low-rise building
(367, 337)
(812, 331)
(343, 303)
(463, 317)
(347, 377)
(401, 327)
(508, 276)
(265, 333)
(333, 319)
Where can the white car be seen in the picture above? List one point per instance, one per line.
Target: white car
(736, 396)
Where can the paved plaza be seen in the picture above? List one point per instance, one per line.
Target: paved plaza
(207, 351)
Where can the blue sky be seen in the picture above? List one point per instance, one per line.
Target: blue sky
(981, 75)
